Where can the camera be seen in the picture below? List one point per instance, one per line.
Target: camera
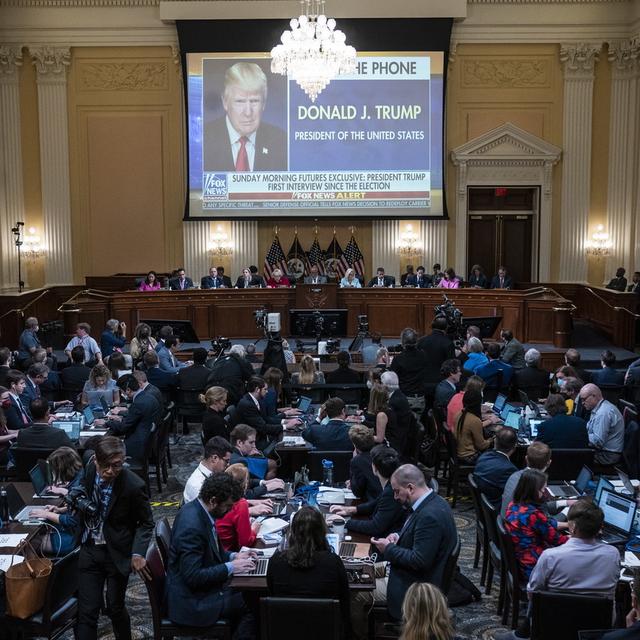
(453, 316)
(78, 501)
(333, 345)
(219, 344)
(363, 324)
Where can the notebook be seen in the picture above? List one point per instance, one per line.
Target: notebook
(619, 514)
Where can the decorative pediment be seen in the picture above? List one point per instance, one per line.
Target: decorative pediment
(507, 143)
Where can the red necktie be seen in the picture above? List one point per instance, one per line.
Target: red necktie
(242, 161)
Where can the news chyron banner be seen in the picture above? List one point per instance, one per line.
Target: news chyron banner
(371, 141)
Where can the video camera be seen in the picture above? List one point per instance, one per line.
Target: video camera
(260, 316)
(219, 344)
(455, 329)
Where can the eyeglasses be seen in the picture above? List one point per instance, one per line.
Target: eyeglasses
(114, 466)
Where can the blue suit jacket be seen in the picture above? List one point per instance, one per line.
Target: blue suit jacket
(28, 395)
(333, 436)
(14, 416)
(196, 574)
(426, 541)
(211, 283)
(607, 375)
(489, 372)
(564, 432)
(166, 359)
(491, 473)
(164, 380)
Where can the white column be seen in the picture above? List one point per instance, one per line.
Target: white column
(624, 137)
(461, 218)
(11, 192)
(244, 235)
(433, 238)
(578, 61)
(51, 65)
(196, 259)
(386, 235)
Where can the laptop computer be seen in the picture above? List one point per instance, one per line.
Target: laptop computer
(501, 399)
(627, 486)
(347, 549)
(572, 491)
(619, 515)
(512, 420)
(71, 427)
(603, 483)
(41, 481)
(506, 410)
(262, 564)
(304, 404)
(105, 405)
(18, 510)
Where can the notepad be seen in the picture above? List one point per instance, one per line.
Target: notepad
(12, 539)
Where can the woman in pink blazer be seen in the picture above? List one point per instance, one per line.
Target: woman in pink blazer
(150, 283)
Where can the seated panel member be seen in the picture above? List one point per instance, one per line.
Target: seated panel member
(420, 279)
(501, 280)
(199, 568)
(212, 281)
(248, 280)
(315, 277)
(619, 283)
(477, 279)
(226, 280)
(278, 280)
(150, 283)
(385, 513)
(180, 282)
(350, 280)
(381, 280)
(450, 280)
(257, 276)
(634, 287)
(332, 434)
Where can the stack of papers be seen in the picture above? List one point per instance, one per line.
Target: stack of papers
(271, 525)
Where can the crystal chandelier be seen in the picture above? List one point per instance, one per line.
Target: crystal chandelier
(313, 52)
(600, 246)
(33, 248)
(219, 244)
(409, 247)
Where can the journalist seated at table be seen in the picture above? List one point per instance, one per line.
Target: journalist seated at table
(308, 568)
(263, 470)
(362, 481)
(562, 431)
(199, 568)
(332, 433)
(40, 434)
(384, 514)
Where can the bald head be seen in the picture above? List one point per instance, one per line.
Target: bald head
(590, 396)
(408, 484)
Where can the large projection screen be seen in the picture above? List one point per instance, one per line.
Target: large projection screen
(370, 145)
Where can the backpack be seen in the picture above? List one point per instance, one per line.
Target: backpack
(462, 591)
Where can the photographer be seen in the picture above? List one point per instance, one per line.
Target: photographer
(231, 372)
(116, 529)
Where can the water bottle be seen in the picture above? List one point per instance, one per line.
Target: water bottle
(327, 473)
(4, 505)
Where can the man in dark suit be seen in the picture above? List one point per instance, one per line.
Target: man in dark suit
(37, 375)
(634, 287)
(77, 373)
(314, 276)
(533, 380)
(164, 380)
(180, 282)
(199, 568)
(411, 367)
(231, 372)
(562, 431)
(420, 551)
(501, 280)
(381, 280)
(212, 281)
(260, 280)
(334, 434)
(137, 423)
(15, 412)
(420, 279)
(608, 374)
(438, 347)
(40, 435)
(240, 141)
(494, 467)
(117, 545)
(197, 375)
(397, 400)
(572, 359)
(619, 283)
(364, 484)
(447, 388)
(249, 410)
(226, 280)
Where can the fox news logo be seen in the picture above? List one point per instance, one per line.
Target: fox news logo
(214, 185)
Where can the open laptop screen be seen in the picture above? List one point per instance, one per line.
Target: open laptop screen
(499, 403)
(304, 404)
(583, 479)
(619, 512)
(603, 483)
(512, 420)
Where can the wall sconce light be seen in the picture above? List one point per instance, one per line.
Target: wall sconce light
(219, 244)
(599, 246)
(408, 246)
(32, 247)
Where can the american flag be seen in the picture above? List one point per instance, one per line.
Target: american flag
(316, 256)
(275, 259)
(352, 257)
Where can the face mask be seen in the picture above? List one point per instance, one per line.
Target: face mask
(561, 382)
(369, 384)
(144, 334)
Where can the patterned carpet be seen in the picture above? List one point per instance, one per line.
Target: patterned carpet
(477, 621)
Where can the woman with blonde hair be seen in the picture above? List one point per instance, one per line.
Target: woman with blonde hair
(235, 529)
(425, 614)
(307, 373)
(350, 280)
(213, 422)
(100, 384)
(142, 341)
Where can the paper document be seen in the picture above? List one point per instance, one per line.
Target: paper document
(631, 559)
(297, 441)
(11, 539)
(9, 561)
(262, 553)
(271, 525)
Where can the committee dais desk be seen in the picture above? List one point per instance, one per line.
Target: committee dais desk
(537, 315)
